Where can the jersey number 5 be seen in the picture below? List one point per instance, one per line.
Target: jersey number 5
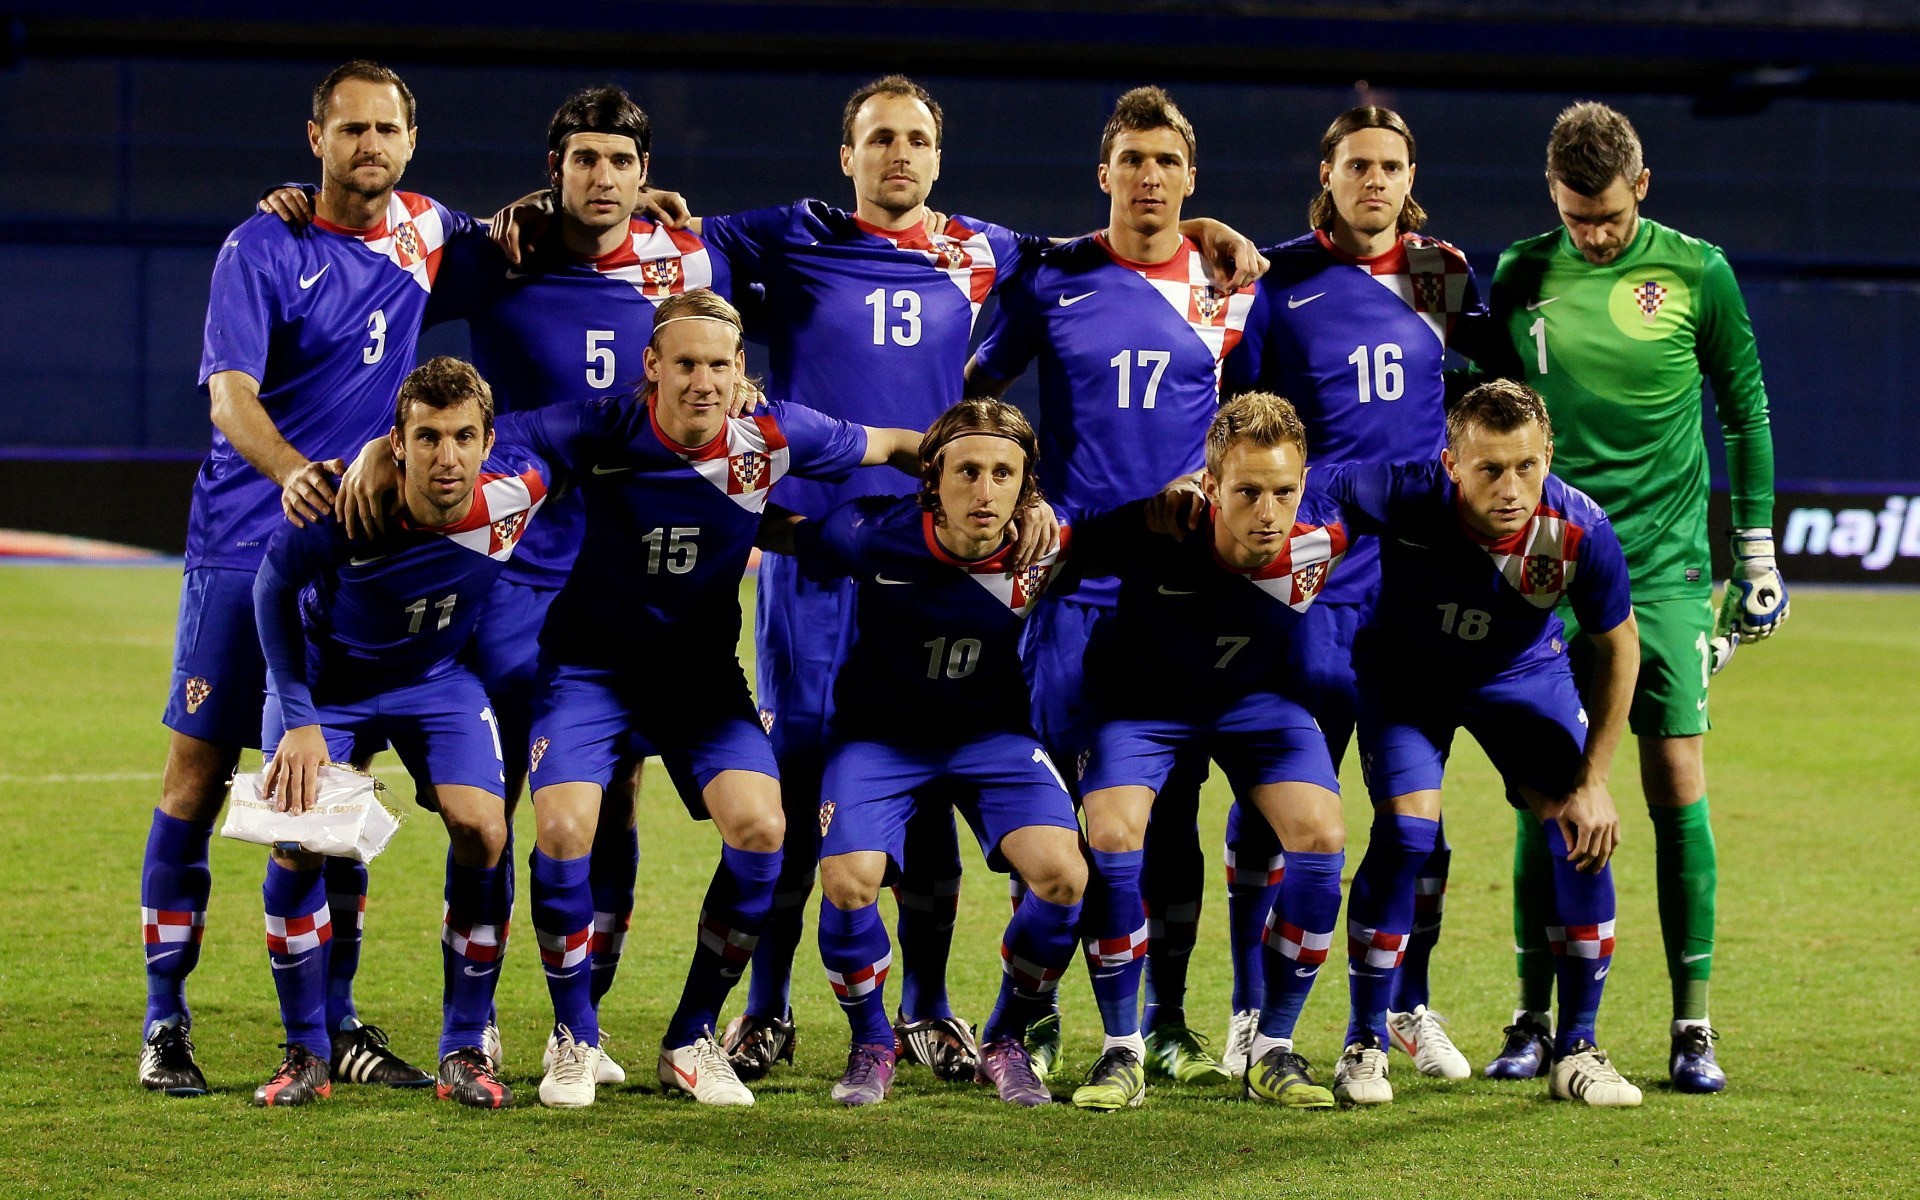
(599, 358)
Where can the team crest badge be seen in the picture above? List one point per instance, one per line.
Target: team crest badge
(766, 720)
(540, 745)
(951, 254)
(749, 471)
(506, 531)
(1030, 583)
(1544, 572)
(406, 244)
(1429, 292)
(1649, 296)
(1310, 578)
(198, 690)
(663, 273)
(1207, 304)
(826, 816)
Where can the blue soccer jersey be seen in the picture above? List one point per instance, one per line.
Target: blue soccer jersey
(342, 621)
(1189, 633)
(1358, 345)
(935, 654)
(1459, 609)
(669, 527)
(327, 322)
(562, 329)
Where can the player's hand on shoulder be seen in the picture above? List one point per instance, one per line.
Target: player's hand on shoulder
(518, 228)
(290, 204)
(935, 223)
(293, 774)
(307, 493)
(663, 207)
(1232, 258)
(1177, 508)
(747, 398)
(1036, 534)
(369, 490)
(1755, 603)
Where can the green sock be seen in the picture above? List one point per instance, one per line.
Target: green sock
(1687, 870)
(1532, 906)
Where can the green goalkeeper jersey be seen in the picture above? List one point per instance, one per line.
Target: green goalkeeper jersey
(1619, 352)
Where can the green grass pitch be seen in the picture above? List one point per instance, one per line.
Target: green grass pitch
(1814, 796)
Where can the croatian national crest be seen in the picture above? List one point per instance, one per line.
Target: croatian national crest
(540, 745)
(1030, 582)
(1208, 303)
(198, 690)
(749, 471)
(766, 719)
(1648, 297)
(661, 275)
(826, 816)
(952, 255)
(507, 530)
(1311, 579)
(1539, 561)
(1544, 572)
(406, 244)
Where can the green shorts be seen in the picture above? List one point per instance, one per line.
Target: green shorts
(1670, 699)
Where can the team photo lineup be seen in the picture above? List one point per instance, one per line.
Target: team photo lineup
(1286, 497)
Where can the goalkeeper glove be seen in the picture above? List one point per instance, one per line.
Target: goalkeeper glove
(1756, 602)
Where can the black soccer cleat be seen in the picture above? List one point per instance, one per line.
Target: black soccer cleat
(753, 1044)
(301, 1079)
(166, 1061)
(467, 1076)
(361, 1055)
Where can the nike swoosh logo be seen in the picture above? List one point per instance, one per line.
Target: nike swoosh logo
(1700, 705)
(895, 582)
(154, 958)
(1415, 545)
(692, 1080)
(365, 562)
(1541, 303)
(307, 281)
(599, 470)
(1167, 591)
(1602, 972)
(1070, 301)
(1306, 972)
(481, 974)
(1687, 958)
(1292, 303)
(280, 966)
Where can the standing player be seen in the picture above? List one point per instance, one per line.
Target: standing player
(1476, 550)
(365, 644)
(1352, 323)
(307, 340)
(931, 689)
(1130, 333)
(1617, 321)
(673, 489)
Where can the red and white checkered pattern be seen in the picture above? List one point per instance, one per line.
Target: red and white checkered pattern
(610, 933)
(1429, 275)
(481, 943)
(1300, 572)
(349, 902)
(1291, 941)
(1539, 560)
(297, 935)
(411, 235)
(729, 943)
(1255, 872)
(167, 925)
(1183, 281)
(658, 262)
(1375, 948)
(560, 951)
(744, 463)
(1118, 951)
(1029, 976)
(858, 983)
(1582, 941)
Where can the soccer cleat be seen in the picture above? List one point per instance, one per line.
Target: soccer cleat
(1690, 1063)
(1118, 1080)
(301, 1079)
(467, 1076)
(361, 1055)
(605, 1071)
(491, 1047)
(1180, 1054)
(1423, 1036)
(1043, 1044)
(753, 1044)
(945, 1045)
(1361, 1077)
(1527, 1054)
(868, 1078)
(569, 1081)
(1240, 1032)
(166, 1060)
(1005, 1063)
(1283, 1077)
(701, 1070)
(1583, 1073)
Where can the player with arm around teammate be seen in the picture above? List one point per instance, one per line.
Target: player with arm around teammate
(1476, 552)
(365, 644)
(931, 688)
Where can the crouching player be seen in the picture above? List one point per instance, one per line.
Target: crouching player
(1476, 551)
(1192, 660)
(363, 642)
(931, 689)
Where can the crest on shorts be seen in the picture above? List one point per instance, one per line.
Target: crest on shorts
(406, 244)
(540, 745)
(826, 816)
(766, 719)
(1649, 296)
(198, 689)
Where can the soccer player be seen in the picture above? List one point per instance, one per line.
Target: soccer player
(931, 688)
(307, 340)
(1617, 320)
(364, 642)
(1476, 550)
(673, 490)
(1130, 333)
(1192, 658)
(1352, 323)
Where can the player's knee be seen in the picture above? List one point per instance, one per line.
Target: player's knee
(478, 838)
(296, 860)
(1319, 836)
(1060, 879)
(1113, 833)
(195, 782)
(846, 884)
(564, 832)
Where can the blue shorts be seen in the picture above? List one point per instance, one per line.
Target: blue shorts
(1534, 729)
(800, 628)
(868, 792)
(587, 720)
(443, 730)
(219, 688)
(1263, 739)
(1320, 663)
(1054, 656)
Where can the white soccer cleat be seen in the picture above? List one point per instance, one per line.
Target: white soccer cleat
(569, 1081)
(1238, 1055)
(496, 1053)
(1587, 1076)
(703, 1072)
(1423, 1036)
(608, 1071)
(1361, 1077)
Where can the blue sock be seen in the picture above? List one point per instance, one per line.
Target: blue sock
(347, 900)
(855, 951)
(612, 867)
(1255, 867)
(1114, 926)
(731, 918)
(928, 897)
(1580, 932)
(563, 924)
(299, 939)
(174, 882)
(1172, 880)
(1299, 931)
(770, 983)
(1034, 952)
(1380, 917)
(473, 938)
(1429, 904)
